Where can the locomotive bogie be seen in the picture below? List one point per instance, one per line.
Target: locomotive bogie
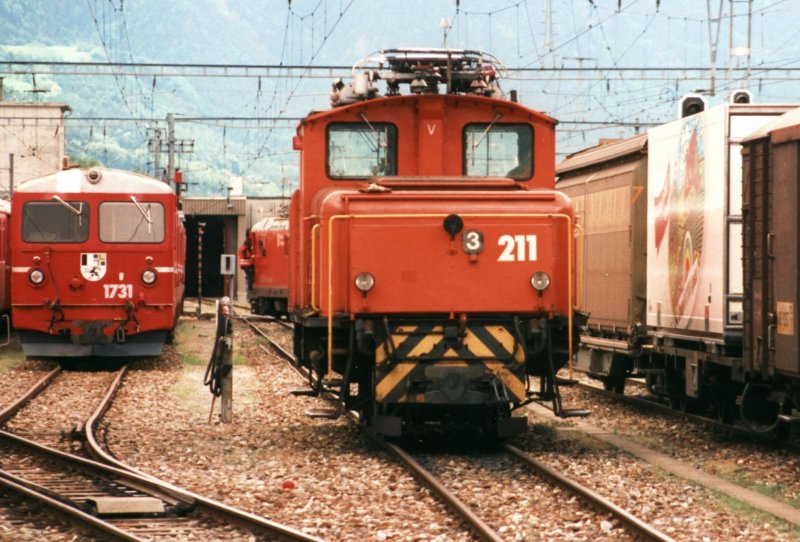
(423, 373)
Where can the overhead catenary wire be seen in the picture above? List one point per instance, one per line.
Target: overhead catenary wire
(108, 53)
(301, 77)
(624, 96)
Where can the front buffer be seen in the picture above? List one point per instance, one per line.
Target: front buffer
(453, 376)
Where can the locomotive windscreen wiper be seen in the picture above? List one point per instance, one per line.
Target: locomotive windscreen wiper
(145, 214)
(483, 135)
(78, 211)
(380, 142)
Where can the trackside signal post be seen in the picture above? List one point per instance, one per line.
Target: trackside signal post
(219, 373)
(227, 267)
(200, 232)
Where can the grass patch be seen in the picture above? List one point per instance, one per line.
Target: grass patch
(743, 477)
(543, 429)
(193, 360)
(189, 392)
(756, 517)
(10, 359)
(239, 359)
(194, 341)
(729, 504)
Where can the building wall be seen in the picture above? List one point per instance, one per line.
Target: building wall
(35, 135)
(239, 215)
(258, 208)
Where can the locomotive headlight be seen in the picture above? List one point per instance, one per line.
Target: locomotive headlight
(149, 276)
(36, 276)
(365, 281)
(540, 281)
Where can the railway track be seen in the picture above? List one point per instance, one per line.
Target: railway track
(115, 499)
(639, 529)
(648, 402)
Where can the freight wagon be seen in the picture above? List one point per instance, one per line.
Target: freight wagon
(771, 162)
(662, 276)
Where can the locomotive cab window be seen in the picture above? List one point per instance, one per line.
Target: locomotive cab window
(361, 150)
(57, 221)
(131, 222)
(498, 150)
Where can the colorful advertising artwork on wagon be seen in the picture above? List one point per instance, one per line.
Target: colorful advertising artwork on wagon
(683, 211)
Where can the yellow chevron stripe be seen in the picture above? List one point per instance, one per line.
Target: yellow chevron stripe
(514, 384)
(504, 337)
(477, 347)
(396, 376)
(401, 335)
(450, 354)
(427, 344)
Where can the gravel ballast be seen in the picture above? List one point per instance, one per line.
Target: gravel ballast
(323, 477)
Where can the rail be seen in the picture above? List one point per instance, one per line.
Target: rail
(40, 385)
(204, 505)
(477, 525)
(100, 480)
(643, 529)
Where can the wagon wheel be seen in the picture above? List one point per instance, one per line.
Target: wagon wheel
(724, 407)
(678, 401)
(615, 384)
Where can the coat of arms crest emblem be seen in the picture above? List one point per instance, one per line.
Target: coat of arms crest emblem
(93, 265)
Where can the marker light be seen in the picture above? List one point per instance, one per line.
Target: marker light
(365, 281)
(36, 276)
(540, 281)
(148, 276)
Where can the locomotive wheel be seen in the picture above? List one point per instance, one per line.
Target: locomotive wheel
(315, 374)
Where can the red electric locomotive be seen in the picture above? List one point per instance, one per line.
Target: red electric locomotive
(432, 261)
(5, 265)
(269, 287)
(98, 263)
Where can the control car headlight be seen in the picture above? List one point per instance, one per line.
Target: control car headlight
(540, 281)
(365, 281)
(36, 276)
(149, 276)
